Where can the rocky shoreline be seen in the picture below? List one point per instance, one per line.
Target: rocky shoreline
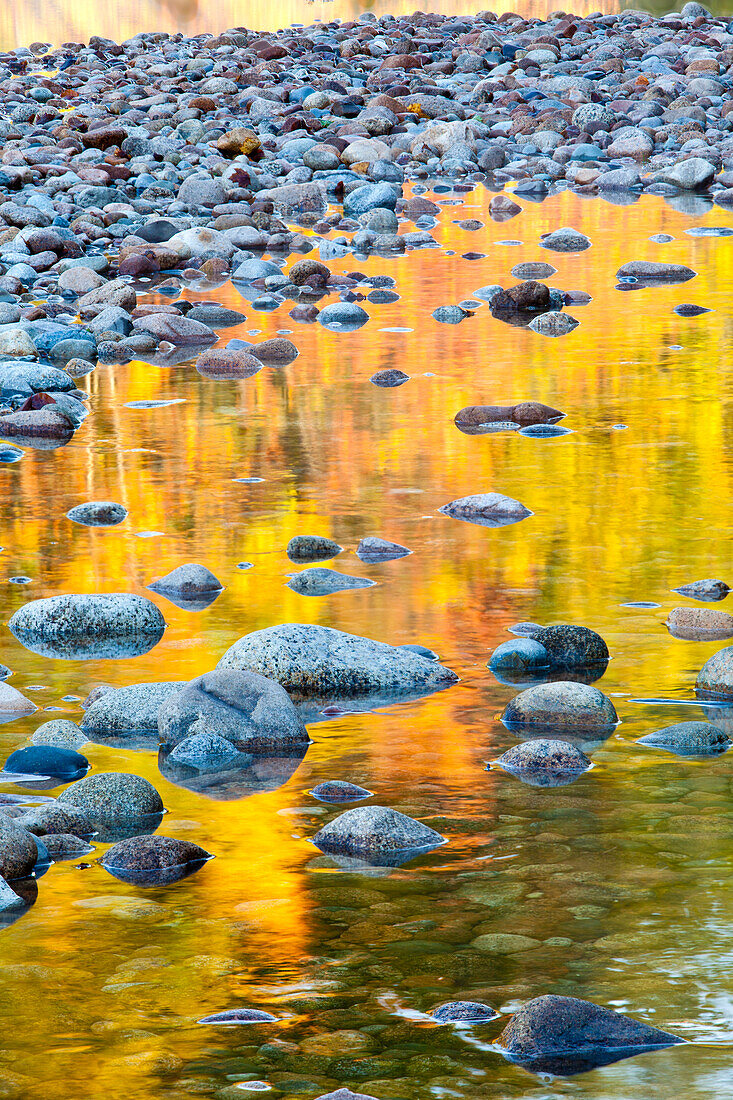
(168, 164)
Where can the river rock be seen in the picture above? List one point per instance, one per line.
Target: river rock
(13, 704)
(18, 852)
(312, 548)
(319, 581)
(311, 660)
(240, 1016)
(121, 712)
(372, 549)
(689, 739)
(154, 860)
(553, 1025)
(715, 679)
(463, 1012)
(65, 765)
(688, 175)
(525, 412)
(79, 627)
(62, 846)
(9, 900)
(544, 763)
(486, 510)
(563, 706)
(565, 240)
(343, 317)
(337, 790)
(710, 590)
(553, 323)
(376, 833)
(54, 817)
(98, 513)
(699, 623)
(572, 646)
(60, 732)
(175, 329)
(119, 804)
(228, 364)
(188, 583)
(651, 272)
(252, 712)
(525, 655)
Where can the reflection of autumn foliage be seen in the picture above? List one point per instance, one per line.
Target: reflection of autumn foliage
(61, 20)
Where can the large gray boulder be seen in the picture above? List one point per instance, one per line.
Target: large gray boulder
(18, 852)
(563, 706)
(715, 679)
(129, 710)
(376, 833)
(253, 713)
(83, 627)
(318, 661)
(568, 1027)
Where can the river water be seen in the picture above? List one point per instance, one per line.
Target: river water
(620, 884)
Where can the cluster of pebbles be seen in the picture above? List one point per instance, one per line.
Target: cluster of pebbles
(166, 162)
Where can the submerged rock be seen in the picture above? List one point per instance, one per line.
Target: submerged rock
(544, 763)
(318, 661)
(253, 713)
(154, 860)
(55, 818)
(699, 623)
(227, 778)
(98, 513)
(463, 1012)
(372, 550)
(9, 900)
(377, 834)
(563, 706)
(318, 581)
(715, 679)
(337, 790)
(565, 1035)
(312, 548)
(83, 627)
(190, 586)
(62, 846)
(689, 739)
(486, 510)
(710, 590)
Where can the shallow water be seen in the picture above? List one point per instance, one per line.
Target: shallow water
(620, 882)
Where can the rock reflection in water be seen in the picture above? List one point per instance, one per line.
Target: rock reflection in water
(239, 777)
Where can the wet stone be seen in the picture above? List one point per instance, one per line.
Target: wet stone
(312, 548)
(337, 790)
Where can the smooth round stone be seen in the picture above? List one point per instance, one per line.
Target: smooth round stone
(525, 630)
(48, 760)
(118, 803)
(689, 739)
(59, 732)
(98, 513)
(715, 679)
(61, 846)
(154, 860)
(544, 763)
(8, 453)
(389, 379)
(302, 548)
(562, 706)
(572, 646)
(524, 655)
(336, 790)
(343, 317)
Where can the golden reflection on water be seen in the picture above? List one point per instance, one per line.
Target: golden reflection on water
(606, 867)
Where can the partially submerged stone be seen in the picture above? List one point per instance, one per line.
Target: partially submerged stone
(13, 704)
(239, 1016)
(66, 765)
(377, 834)
(98, 513)
(373, 549)
(464, 1012)
(337, 790)
(61, 846)
(565, 1035)
(55, 818)
(563, 706)
(190, 586)
(523, 413)
(525, 655)
(252, 712)
(699, 623)
(82, 627)
(312, 548)
(715, 679)
(689, 739)
(18, 851)
(318, 581)
(154, 860)
(121, 712)
(118, 803)
(61, 732)
(544, 763)
(319, 661)
(570, 646)
(486, 510)
(651, 272)
(709, 590)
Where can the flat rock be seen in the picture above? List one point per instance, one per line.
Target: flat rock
(319, 581)
(63, 764)
(372, 549)
(312, 548)
(84, 626)
(227, 364)
(128, 710)
(689, 739)
(98, 513)
(464, 1012)
(699, 623)
(241, 1016)
(313, 660)
(651, 271)
(337, 790)
(486, 510)
(252, 712)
